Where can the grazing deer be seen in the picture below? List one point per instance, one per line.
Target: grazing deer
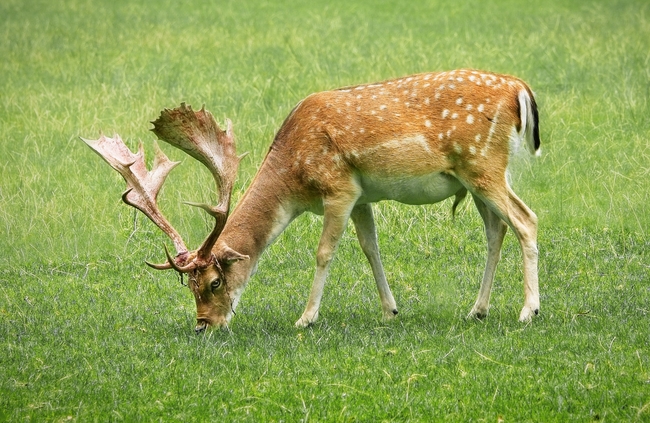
(416, 140)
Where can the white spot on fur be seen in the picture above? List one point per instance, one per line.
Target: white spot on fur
(454, 116)
(480, 108)
(441, 136)
(470, 119)
(457, 148)
(427, 123)
(459, 101)
(427, 101)
(445, 113)
(383, 107)
(472, 150)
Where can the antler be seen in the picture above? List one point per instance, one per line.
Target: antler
(199, 135)
(142, 185)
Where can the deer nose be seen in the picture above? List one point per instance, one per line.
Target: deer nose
(201, 325)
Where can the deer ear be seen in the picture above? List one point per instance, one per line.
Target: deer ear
(228, 256)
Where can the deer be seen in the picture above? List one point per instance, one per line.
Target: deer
(417, 140)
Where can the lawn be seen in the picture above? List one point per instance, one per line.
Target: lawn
(89, 333)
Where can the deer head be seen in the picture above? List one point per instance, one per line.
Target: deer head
(199, 135)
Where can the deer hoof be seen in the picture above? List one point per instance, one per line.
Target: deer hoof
(527, 313)
(390, 314)
(305, 321)
(302, 323)
(478, 314)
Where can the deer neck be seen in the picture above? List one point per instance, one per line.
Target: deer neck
(261, 215)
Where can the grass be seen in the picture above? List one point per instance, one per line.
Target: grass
(87, 332)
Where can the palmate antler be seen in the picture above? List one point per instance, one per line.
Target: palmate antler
(197, 134)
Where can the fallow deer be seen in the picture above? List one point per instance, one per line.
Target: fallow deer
(416, 140)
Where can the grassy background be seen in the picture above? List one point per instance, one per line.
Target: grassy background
(87, 332)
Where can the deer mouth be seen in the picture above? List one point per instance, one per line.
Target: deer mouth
(201, 326)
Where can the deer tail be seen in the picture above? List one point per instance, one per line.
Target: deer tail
(529, 121)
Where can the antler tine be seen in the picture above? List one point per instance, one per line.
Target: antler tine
(199, 135)
(142, 185)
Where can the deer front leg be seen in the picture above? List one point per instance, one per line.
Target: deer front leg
(364, 224)
(336, 214)
(495, 230)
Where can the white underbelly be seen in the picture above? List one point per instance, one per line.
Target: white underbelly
(425, 189)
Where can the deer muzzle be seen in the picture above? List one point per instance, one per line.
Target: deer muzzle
(201, 326)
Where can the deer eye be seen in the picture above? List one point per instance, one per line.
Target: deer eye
(215, 284)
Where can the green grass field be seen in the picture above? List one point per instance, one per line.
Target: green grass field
(89, 333)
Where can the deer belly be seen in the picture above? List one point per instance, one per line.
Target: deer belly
(424, 189)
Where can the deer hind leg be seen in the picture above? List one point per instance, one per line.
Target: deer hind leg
(523, 222)
(495, 231)
(364, 224)
(336, 214)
